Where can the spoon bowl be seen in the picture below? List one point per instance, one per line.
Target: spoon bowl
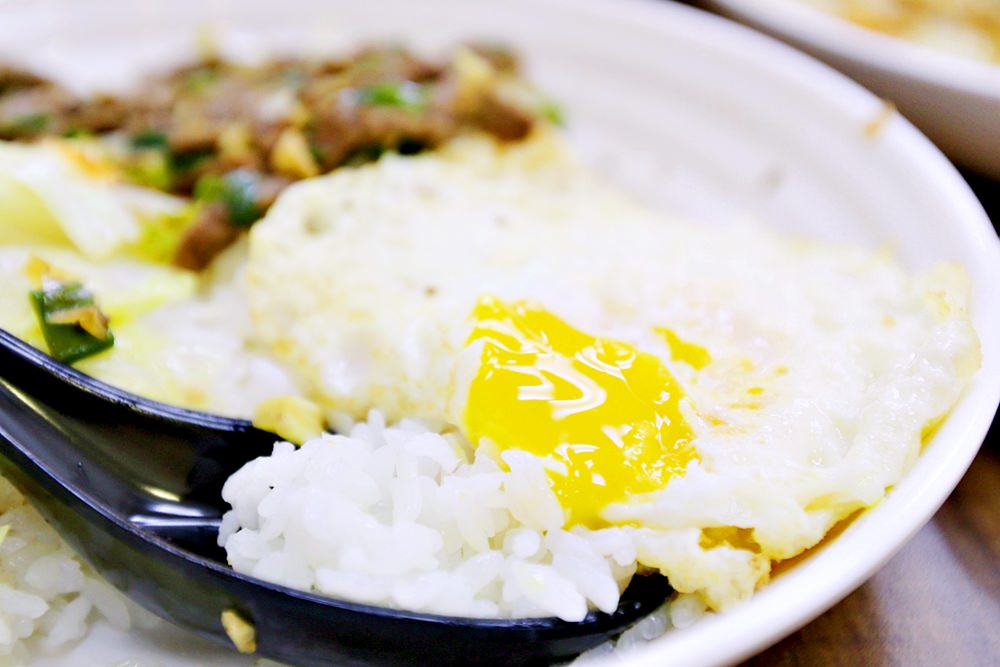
(135, 487)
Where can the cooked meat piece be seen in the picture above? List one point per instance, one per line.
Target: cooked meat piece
(103, 113)
(248, 131)
(502, 119)
(349, 127)
(209, 235)
(215, 228)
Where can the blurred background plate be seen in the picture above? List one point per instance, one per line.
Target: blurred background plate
(698, 117)
(954, 100)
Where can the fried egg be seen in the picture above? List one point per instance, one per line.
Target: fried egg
(724, 394)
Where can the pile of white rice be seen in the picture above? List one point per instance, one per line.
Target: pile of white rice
(414, 519)
(48, 596)
(405, 517)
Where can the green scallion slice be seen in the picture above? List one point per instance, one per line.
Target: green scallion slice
(72, 325)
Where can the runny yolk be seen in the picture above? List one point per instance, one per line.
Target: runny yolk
(601, 410)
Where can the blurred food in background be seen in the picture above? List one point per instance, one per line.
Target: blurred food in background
(967, 28)
(934, 60)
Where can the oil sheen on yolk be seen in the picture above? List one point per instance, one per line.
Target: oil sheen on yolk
(602, 409)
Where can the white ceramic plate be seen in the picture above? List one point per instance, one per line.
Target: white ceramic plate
(956, 101)
(693, 113)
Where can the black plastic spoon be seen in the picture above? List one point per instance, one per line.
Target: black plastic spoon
(135, 486)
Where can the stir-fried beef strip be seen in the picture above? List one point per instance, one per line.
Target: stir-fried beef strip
(233, 136)
(211, 233)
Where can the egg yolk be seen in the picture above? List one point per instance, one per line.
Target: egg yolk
(606, 414)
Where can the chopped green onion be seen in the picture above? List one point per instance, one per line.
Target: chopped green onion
(150, 168)
(70, 321)
(76, 133)
(200, 79)
(209, 187)
(401, 94)
(552, 112)
(240, 196)
(315, 149)
(149, 139)
(188, 160)
(32, 122)
(237, 190)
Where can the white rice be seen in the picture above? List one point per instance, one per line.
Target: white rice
(48, 595)
(680, 612)
(400, 516)
(405, 517)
